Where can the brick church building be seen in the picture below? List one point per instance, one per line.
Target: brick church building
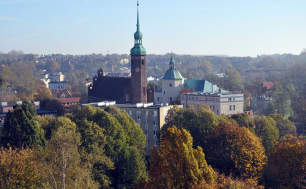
(125, 89)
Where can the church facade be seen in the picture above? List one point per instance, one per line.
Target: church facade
(125, 89)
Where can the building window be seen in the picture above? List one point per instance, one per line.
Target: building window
(157, 98)
(147, 113)
(142, 61)
(155, 113)
(139, 117)
(146, 132)
(229, 99)
(213, 107)
(170, 85)
(170, 98)
(217, 112)
(130, 112)
(164, 92)
(230, 107)
(234, 107)
(155, 142)
(154, 123)
(154, 133)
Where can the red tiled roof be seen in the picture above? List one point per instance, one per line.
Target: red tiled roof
(69, 100)
(269, 85)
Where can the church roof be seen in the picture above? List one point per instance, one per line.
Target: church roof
(172, 73)
(110, 88)
(203, 86)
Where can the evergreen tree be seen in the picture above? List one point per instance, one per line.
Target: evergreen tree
(21, 129)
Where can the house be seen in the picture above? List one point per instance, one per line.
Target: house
(261, 101)
(67, 102)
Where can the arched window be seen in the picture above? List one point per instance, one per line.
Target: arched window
(170, 85)
(142, 61)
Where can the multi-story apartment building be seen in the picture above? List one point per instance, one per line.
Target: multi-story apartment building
(220, 103)
(150, 117)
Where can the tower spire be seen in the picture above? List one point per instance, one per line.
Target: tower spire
(138, 17)
(171, 63)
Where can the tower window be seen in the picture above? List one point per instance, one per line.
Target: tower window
(142, 61)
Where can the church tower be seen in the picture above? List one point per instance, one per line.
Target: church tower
(138, 67)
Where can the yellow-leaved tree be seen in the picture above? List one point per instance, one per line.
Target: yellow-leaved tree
(177, 165)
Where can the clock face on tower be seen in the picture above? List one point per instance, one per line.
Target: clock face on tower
(137, 69)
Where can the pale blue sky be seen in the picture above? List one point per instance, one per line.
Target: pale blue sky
(232, 27)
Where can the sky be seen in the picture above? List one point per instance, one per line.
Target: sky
(196, 27)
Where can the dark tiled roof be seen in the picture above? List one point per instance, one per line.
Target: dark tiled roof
(110, 88)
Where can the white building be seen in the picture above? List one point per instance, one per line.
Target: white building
(219, 103)
(173, 83)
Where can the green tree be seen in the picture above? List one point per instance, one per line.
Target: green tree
(285, 126)
(233, 80)
(267, 131)
(60, 162)
(125, 144)
(177, 165)
(245, 120)
(21, 129)
(234, 150)
(54, 104)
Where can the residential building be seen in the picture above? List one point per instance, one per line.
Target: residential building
(58, 85)
(56, 77)
(259, 102)
(220, 103)
(150, 117)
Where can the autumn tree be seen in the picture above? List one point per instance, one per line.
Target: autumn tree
(177, 165)
(42, 93)
(18, 169)
(287, 164)
(21, 129)
(52, 66)
(234, 150)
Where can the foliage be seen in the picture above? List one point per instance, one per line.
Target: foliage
(196, 121)
(281, 94)
(244, 120)
(60, 163)
(53, 104)
(52, 66)
(18, 169)
(234, 150)
(267, 131)
(286, 165)
(285, 126)
(233, 80)
(21, 129)
(177, 165)
(42, 93)
(47, 123)
(125, 144)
